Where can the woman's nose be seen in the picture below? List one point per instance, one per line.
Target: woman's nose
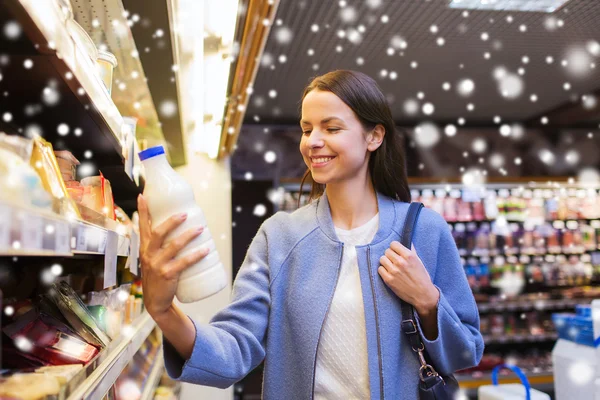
(315, 139)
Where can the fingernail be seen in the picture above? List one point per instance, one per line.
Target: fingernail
(182, 216)
(200, 229)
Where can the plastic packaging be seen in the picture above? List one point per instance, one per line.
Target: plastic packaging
(44, 162)
(66, 164)
(97, 195)
(20, 183)
(167, 193)
(105, 63)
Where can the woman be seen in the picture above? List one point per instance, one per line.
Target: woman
(317, 296)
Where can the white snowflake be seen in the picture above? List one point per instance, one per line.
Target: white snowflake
(168, 108)
(578, 61)
(593, 47)
(284, 35)
(428, 108)
(63, 129)
(465, 87)
(260, 210)
(272, 93)
(450, 130)
(270, 157)
(511, 86)
(427, 135)
(12, 30)
(348, 14)
(479, 145)
(411, 107)
(589, 101)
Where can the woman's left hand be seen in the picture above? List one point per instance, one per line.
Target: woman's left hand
(403, 271)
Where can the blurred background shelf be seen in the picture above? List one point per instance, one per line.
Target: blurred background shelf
(61, 68)
(112, 360)
(154, 377)
(32, 232)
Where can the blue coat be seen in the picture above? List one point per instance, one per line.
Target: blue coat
(281, 297)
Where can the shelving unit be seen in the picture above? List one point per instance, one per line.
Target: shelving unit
(154, 377)
(45, 56)
(104, 371)
(47, 43)
(33, 232)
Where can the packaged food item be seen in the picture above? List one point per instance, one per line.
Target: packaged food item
(67, 165)
(47, 342)
(97, 195)
(20, 183)
(29, 387)
(17, 145)
(167, 193)
(62, 373)
(106, 63)
(45, 164)
(73, 309)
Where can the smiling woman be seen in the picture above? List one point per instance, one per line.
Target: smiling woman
(344, 114)
(320, 293)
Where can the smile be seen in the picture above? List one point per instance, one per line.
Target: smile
(320, 161)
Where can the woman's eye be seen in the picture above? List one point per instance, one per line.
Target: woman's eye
(333, 129)
(306, 132)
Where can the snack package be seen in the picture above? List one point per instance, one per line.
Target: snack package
(43, 339)
(45, 164)
(29, 387)
(97, 195)
(67, 164)
(77, 314)
(20, 183)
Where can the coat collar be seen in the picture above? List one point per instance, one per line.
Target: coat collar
(387, 217)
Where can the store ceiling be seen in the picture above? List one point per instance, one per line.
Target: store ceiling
(461, 56)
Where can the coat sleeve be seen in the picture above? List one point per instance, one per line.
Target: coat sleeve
(233, 343)
(459, 343)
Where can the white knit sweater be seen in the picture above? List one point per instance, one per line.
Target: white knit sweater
(342, 364)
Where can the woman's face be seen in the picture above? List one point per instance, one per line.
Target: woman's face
(334, 145)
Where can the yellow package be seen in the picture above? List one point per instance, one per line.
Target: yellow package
(44, 162)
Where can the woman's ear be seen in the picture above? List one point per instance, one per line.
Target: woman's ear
(375, 137)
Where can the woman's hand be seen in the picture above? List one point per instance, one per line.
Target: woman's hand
(403, 272)
(160, 271)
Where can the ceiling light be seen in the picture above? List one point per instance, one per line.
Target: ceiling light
(548, 6)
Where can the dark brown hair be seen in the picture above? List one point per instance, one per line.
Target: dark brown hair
(387, 164)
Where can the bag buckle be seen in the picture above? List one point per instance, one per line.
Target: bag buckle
(412, 324)
(428, 370)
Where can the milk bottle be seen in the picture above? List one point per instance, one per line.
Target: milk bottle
(167, 193)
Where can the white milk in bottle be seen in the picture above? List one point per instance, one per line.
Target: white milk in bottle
(167, 193)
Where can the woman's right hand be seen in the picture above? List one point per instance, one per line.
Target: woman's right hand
(160, 269)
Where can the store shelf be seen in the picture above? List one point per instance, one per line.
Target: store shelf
(517, 254)
(502, 339)
(153, 378)
(84, 105)
(111, 361)
(543, 381)
(28, 232)
(525, 305)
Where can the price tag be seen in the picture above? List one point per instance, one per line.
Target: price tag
(5, 224)
(32, 232)
(103, 237)
(134, 253)
(110, 259)
(63, 238)
(81, 238)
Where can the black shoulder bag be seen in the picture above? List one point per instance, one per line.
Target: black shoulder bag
(432, 386)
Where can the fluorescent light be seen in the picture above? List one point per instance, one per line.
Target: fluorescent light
(205, 32)
(547, 6)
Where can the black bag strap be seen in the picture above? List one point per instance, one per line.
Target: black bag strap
(409, 326)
